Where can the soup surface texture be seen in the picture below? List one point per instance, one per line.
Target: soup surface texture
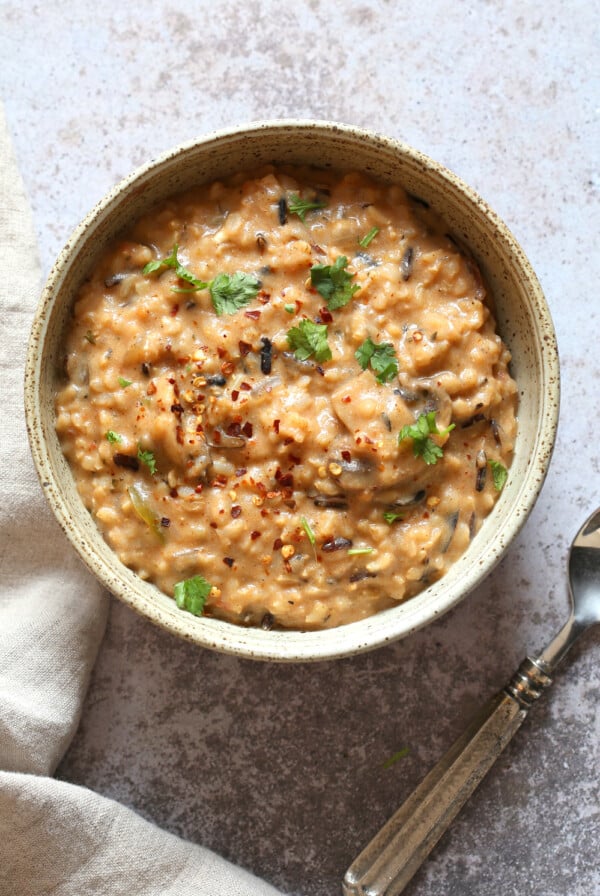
(286, 403)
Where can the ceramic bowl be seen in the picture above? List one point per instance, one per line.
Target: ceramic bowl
(523, 320)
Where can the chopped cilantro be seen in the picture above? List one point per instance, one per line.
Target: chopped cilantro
(147, 458)
(123, 383)
(191, 594)
(171, 261)
(300, 207)
(291, 309)
(401, 754)
(309, 339)
(113, 437)
(229, 293)
(369, 237)
(333, 282)
(381, 357)
(499, 474)
(390, 517)
(354, 552)
(423, 445)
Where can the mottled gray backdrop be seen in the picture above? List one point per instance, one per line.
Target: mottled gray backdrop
(281, 768)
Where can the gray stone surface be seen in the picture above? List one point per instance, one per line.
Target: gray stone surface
(280, 768)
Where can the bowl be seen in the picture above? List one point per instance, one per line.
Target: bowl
(523, 321)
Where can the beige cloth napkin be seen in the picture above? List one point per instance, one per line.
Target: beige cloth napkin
(55, 837)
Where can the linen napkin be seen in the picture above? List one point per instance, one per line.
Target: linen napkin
(55, 837)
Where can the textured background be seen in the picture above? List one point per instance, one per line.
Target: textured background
(280, 768)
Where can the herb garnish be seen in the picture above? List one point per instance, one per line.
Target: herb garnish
(423, 445)
(354, 552)
(369, 237)
(228, 292)
(291, 309)
(123, 383)
(300, 207)
(382, 358)
(390, 516)
(191, 594)
(309, 339)
(499, 474)
(145, 511)
(307, 528)
(113, 437)
(333, 282)
(147, 458)
(401, 754)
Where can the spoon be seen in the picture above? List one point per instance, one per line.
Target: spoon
(392, 857)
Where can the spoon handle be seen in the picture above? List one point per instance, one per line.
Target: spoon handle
(390, 860)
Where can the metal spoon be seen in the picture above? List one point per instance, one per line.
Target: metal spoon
(389, 861)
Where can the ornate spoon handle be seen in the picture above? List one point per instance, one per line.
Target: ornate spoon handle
(390, 860)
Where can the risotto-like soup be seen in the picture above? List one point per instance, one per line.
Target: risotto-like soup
(286, 403)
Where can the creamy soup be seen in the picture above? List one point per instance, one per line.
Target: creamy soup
(286, 403)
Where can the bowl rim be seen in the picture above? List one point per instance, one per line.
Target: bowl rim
(289, 646)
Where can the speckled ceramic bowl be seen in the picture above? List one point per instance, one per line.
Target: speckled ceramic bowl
(523, 320)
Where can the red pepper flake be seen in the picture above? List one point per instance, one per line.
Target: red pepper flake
(165, 522)
(222, 352)
(235, 395)
(277, 544)
(236, 511)
(179, 434)
(253, 315)
(264, 297)
(261, 487)
(347, 456)
(245, 387)
(176, 409)
(234, 429)
(227, 368)
(248, 429)
(151, 390)
(294, 460)
(171, 380)
(213, 525)
(244, 348)
(241, 472)
(174, 310)
(220, 481)
(216, 437)
(276, 425)
(254, 535)
(228, 561)
(274, 494)
(346, 399)
(288, 440)
(199, 488)
(325, 315)
(174, 493)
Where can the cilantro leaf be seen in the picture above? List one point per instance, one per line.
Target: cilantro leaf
(390, 517)
(230, 292)
(382, 358)
(368, 237)
(123, 383)
(333, 282)
(309, 339)
(113, 436)
(191, 594)
(499, 474)
(147, 458)
(423, 445)
(171, 261)
(300, 207)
